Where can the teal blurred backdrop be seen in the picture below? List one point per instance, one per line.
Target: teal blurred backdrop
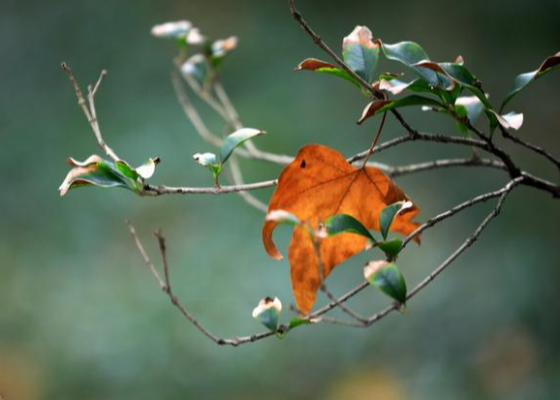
(82, 318)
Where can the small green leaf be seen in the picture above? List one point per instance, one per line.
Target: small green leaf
(387, 278)
(294, 323)
(388, 214)
(391, 248)
(523, 80)
(360, 53)
(312, 64)
(235, 140)
(342, 223)
(283, 217)
(126, 170)
(378, 106)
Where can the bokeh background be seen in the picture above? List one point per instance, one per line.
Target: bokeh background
(81, 317)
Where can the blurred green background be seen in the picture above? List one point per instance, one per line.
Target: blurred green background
(81, 317)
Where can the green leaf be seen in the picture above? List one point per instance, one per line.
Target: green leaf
(210, 161)
(312, 64)
(126, 170)
(344, 223)
(99, 172)
(294, 323)
(409, 54)
(283, 217)
(235, 140)
(395, 86)
(457, 74)
(449, 97)
(378, 106)
(387, 278)
(269, 318)
(523, 80)
(391, 248)
(388, 214)
(360, 53)
(460, 75)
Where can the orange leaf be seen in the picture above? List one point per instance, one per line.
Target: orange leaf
(320, 183)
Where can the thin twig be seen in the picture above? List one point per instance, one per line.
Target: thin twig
(466, 244)
(145, 256)
(191, 112)
(469, 203)
(201, 128)
(90, 113)
(167, 289)
(230, 111)
(316, 242)
(438, 164)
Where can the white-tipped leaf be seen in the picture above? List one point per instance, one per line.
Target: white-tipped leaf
(147, 169)
(267, 312)
(172, 30)
(205, 159)
(510, 120)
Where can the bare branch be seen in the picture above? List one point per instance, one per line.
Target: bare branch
(142, 251)
(90, 113)
(460, 207)
(317, 248)
(201, 128)
(191, 112)
(466, 244)
(167, 289)
(158, 190)
(231, 112)
(438, 164)
(469, 241)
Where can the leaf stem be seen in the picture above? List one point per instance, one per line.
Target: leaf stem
(375, 140)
